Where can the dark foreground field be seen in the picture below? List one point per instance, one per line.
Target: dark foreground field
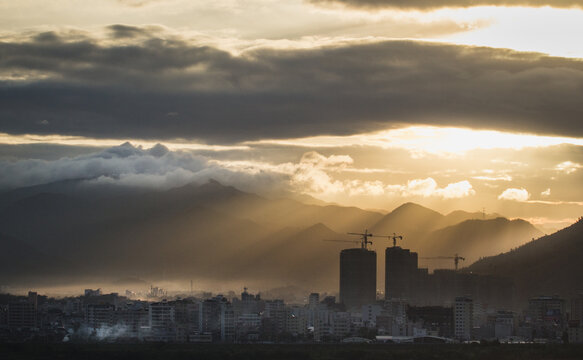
(274, 352)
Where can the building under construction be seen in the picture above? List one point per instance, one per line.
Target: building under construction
(405, 280)
(358, 277)
(401, 273)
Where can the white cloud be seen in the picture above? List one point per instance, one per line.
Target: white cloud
(373, 188)
(514, 194)
(504, 177)
(457, 190)
(568, 167)
(428, 187)
(421, 187)
(127, 165)
(159, 167)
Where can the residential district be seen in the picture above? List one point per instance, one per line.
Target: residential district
(416, 307)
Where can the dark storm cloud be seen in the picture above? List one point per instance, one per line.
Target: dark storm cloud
(82, 87)
(434, 4)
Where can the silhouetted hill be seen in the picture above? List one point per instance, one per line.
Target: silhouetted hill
(473, 239)
(549, 265)
(208, 231)
(78, 188)
(190, 231)
(458, 216)
(17, 258)
(411, 220)
(432, 234)
(297, 256)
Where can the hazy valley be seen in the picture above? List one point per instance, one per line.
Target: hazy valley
(70, 232)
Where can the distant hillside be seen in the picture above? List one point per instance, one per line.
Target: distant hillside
(549, 265)
(104, 200)
(297, 256)
(472, 235)
(416, 222)
(217, 233)
(210, 230)
(410, 220)
(458, 216)
(473, 239)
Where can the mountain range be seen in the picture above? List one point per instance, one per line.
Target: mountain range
(214, 234)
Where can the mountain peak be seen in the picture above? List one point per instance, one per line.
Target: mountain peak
(410, 206)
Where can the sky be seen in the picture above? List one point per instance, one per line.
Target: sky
(453, 104)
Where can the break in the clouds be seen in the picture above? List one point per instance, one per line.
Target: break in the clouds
(433, 4)
(149, 86)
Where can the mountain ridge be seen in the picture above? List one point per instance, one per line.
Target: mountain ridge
(188, 230)
(548, 265)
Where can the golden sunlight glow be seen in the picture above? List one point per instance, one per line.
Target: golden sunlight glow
(417, 139)
(545, 30)
(431, 139)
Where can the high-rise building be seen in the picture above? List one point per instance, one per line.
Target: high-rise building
(99, 315)
(577, 307)
(23, 314)
(463, 318)
(400, 273)
(162, 321)
(546, 309)
(227, 322)
(358, 277)
(313, 300)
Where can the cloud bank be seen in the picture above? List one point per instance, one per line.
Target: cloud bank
(152, 87)
(159, 168)
(434, 4)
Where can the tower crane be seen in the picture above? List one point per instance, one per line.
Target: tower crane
(456, 259)
(394, 237)
(348, 241)
(364, 241)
